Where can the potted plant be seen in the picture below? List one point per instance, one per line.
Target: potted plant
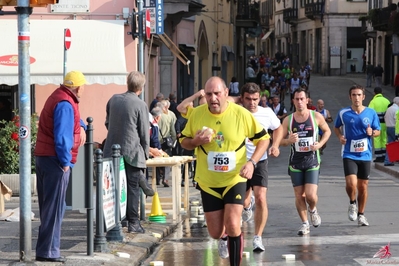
(9, 152)
(364, 18)
(373, 15)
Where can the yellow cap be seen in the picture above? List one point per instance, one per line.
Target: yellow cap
(74, 79)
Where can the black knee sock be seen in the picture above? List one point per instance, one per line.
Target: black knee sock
(236, 246)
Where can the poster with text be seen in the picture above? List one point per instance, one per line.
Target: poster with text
(122, 189)
(108, 194)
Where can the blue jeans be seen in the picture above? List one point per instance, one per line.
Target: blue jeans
(390, 138)
(52, 183)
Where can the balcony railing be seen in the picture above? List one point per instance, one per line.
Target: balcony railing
(290, 16)
(314, 10)
(247, 13)
(379, 18)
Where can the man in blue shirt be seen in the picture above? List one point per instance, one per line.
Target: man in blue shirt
(59, 136)
(354, 127)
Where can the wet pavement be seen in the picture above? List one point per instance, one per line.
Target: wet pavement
(336, 242)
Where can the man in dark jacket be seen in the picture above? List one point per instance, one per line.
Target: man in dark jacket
(378, 70)
(369, 73)
(157, 99)
(127, 122)
(173, 104)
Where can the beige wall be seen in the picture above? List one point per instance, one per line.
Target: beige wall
(346, 7)
(219, 31)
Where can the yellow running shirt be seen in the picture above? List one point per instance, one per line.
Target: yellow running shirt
(219, 162)
(189, 111)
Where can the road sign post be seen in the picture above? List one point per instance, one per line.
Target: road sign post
(147, 24)
(67, 45)
(67, 39)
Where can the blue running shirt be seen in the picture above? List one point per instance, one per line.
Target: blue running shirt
(358, 145)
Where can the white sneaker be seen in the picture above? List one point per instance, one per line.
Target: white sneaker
(252, 202)
(258, 245)
(352, 212)
(315, 218)
(247, 212)
(223, 249)
(304, 230)
(362, 221)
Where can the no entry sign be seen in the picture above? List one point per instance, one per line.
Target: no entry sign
(67, 39)
(147, 24)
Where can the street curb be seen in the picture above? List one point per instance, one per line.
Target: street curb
(387, 169)
(146, 241)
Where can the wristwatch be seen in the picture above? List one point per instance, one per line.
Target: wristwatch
(253, 162)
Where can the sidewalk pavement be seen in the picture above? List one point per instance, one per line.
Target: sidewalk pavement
(74, 236)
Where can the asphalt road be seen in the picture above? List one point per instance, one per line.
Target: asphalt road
(337, 241)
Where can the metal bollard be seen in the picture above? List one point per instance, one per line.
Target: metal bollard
(100, 242)
(115, 234)
(89, 185)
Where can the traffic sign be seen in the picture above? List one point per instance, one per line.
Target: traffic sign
(147, 24)
(67, 39)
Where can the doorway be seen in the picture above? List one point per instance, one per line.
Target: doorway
(9, 102)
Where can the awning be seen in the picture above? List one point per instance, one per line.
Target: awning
(97, 49)
(267, 35)
(227, 53)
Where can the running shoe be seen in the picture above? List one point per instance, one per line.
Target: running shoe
(258, 245)
(253, 202)
(315, 218)
(362, 221)
(247, 212)
(304, 230)
(223, 249)
(352, 212)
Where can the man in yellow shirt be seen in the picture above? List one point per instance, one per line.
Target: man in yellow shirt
(219, 130)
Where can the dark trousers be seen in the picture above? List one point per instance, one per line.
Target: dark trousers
(161, 171)
(52, 183)
(133, 175)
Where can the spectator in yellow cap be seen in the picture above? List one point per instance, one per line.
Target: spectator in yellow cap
(58, 141)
